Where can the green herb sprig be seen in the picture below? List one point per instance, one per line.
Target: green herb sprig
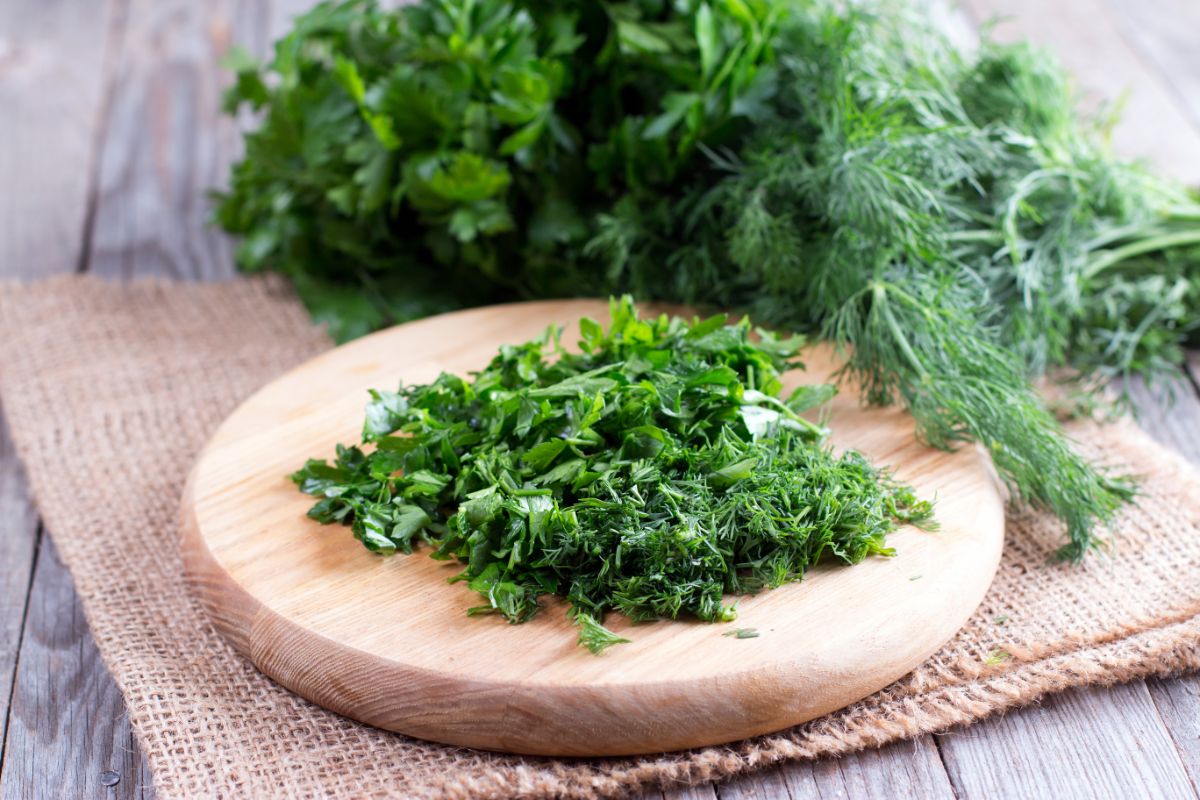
(652, 473)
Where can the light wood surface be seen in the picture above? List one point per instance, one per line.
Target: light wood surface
(43, 222)
(386, 640)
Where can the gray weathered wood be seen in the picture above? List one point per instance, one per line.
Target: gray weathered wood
(1163, 33)
(49, 159)
(18, 548)
(52, 58)
(1088, 743)
(1178, 703)
(67, 722)
(1170, 413)
(52, 88)
(1087, 40)
(703, 792)
(905, 769)
(167, 144)
(1177, 425)
(769, 784)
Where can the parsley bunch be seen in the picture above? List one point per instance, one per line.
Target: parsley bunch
(404, 154)
(652, 473)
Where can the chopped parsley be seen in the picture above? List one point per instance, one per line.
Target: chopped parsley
(652, 473)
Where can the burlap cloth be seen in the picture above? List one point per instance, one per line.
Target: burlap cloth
(110, 392)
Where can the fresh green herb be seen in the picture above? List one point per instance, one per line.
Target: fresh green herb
(743, 633)
(404, 154)
(652, 473)
(838, 169)
(997, 657)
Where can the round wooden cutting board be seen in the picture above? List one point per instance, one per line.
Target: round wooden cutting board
(386, 640)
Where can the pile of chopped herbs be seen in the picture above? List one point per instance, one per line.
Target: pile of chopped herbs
(835, 168)
(652, 473)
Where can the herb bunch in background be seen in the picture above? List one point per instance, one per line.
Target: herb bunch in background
(840, 170)
(651, 474)
(447, 153)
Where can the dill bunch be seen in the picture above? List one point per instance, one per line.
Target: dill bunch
(653, 473)
(948, 222)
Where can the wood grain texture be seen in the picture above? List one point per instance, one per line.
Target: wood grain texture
(1057, 749)
(905, 769)
(1170, 414)
(290, 594)
(703, 792)
(1177, 425)
(52, 78)
(1087, 39)
(1178, 703)
(1163, 32)
(67, 722)
(168, 143)
(18, 548)
(53, 117)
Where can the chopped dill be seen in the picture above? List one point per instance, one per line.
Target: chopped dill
(652, 473)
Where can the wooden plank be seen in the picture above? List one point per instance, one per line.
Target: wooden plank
(1178, 426)
(18, 550)
(1170, 414)
(905, 769)
(1163, 33)
(1087, 743)
(1178, 703)
(1088, 41)
(67, 723)
(52, 58)
(167, 143)
(703, 792)
(770, 784)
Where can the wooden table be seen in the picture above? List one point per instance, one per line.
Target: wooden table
(109, 138)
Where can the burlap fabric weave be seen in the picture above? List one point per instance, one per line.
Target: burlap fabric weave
(110, 392)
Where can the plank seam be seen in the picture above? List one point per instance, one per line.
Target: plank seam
(12, 684)
(956, 787)
(113, 50)
(1179, 754)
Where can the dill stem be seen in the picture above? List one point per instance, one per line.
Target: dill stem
(975, 235)
(1140, 247)
(879, 292)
